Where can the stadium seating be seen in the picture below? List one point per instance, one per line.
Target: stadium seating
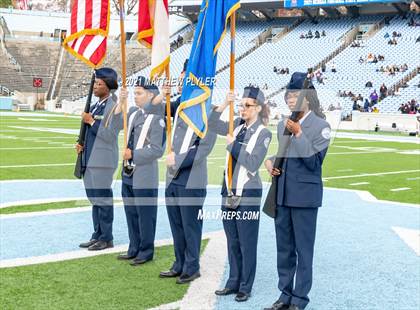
(291, 52)
(352, 75)
(36, 59)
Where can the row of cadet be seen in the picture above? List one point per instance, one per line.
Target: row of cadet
(299, 183)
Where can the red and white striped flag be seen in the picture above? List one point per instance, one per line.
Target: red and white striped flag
(153, 32)
(88, 31)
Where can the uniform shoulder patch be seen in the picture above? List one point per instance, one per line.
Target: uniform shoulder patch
(326, 133)
(162, 123)
(266, 142)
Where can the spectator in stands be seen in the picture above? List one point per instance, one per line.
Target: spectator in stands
(286, 71)
(359, 98)
(392, 41)
(383, 91)
(331, 107)
(366, 105)
(323, 34)
(361, 60)
(275, 69)
(356, 106)
(386, 36)
(404, 84)
(302, 36)
(375, 110)
(418, 39)
(309, 35)
(319, 77)
(368, 84)
(323, 67)
(402, 108)
(381, 57)
(333, 68)
(370, 58)
(374, 97)
(317, 35)
(375, 60)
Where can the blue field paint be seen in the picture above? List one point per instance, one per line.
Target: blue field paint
(359, 263)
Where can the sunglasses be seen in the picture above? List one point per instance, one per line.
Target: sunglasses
(246, 106)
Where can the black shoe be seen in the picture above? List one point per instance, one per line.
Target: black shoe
(138, 262)
(278, 305)
(294, 307)
(184, 278)
(225, 291)
(101, 245)
(88, 244)
(241, 297)
(124, 257)
(169, 274)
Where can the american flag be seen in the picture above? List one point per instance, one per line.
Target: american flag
(87, 35)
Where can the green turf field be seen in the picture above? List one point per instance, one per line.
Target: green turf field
(28, 150)
(99, 282)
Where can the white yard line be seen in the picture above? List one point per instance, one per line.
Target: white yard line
(55, 130)
(413, 179)
(360, 152)
(400, 189)
(383, 138)
(39, 201)
(370, 174)
(37, 165)
(360, 183)
(36, 148)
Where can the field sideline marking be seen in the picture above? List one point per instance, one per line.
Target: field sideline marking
(370, 174)
(35, 260)
(411, 237)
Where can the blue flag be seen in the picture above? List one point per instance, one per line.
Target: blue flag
(199, 79)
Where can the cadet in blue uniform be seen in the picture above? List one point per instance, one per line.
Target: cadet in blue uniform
(140, 175)
(248, 148)
(100, 158)
(186, 183)
(299, 195)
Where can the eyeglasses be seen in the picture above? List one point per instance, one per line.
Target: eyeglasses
(246, 106)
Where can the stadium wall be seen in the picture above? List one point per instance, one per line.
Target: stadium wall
(368, 121)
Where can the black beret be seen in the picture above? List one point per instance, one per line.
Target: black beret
(296, 81)
(147, 85)
(254, 93)
(109, 76)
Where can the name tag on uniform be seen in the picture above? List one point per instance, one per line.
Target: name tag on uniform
(98, 117)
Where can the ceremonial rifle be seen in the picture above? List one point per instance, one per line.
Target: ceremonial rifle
(78, 169)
